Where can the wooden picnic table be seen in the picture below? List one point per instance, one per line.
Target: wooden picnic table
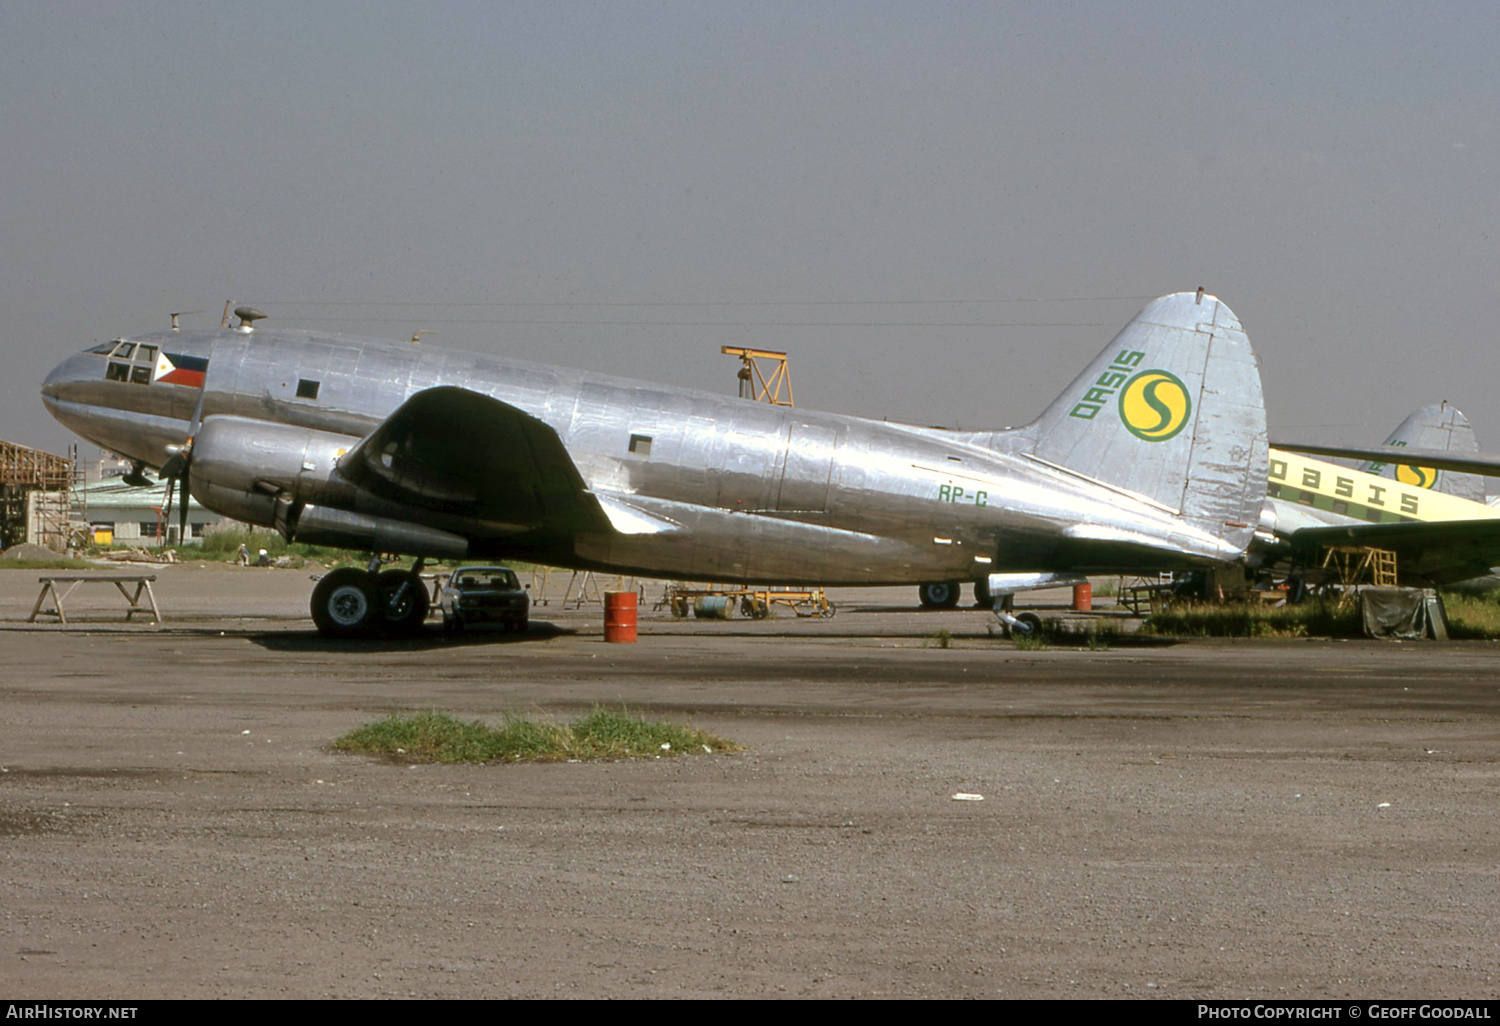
(142, 586)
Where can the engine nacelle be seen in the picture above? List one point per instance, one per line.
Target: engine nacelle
(343, 529)
(286, 477)
(240, 466)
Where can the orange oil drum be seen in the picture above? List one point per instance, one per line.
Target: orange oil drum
(1083, 597)
(619, 616)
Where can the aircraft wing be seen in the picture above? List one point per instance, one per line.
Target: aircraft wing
(461, 452)
(1438, 459)
(1439, 552)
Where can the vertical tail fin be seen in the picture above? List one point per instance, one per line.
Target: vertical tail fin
(1171, 410)
(1439, 426)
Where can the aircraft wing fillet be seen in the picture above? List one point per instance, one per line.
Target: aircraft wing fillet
(461, 452)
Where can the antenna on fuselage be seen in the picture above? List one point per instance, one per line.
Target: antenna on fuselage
(248, 315)
(181, 313)
(416, 339)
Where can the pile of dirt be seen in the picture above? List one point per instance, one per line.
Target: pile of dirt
(27, 552)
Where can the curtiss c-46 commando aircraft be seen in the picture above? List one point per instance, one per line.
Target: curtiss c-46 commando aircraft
(1153, 458)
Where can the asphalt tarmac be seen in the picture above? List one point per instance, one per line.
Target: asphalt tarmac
(1219, 820)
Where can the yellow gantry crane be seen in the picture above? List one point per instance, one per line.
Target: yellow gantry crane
(754, 382)
(719, 601)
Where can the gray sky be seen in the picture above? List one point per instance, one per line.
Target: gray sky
(941, 210)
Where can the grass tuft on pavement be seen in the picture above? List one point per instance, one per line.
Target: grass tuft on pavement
(602, 734)
(1315, 619)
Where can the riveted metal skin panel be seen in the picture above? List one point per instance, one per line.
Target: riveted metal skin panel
(578, 469)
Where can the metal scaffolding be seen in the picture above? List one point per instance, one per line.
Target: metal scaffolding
(1355, 564)
(35, 497)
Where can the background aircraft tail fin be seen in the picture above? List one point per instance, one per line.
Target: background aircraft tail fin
(1171, 410)
(1439, 426)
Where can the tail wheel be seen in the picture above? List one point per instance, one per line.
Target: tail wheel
(403, 610)
(1031, 625)
(938, 595)
(344, 603)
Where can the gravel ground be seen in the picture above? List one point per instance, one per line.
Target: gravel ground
(1216, 820)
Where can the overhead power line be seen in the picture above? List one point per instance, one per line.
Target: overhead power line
(701, 324)
(700, 303)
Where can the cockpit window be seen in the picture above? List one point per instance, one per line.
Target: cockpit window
(134, 362)
(102, 347)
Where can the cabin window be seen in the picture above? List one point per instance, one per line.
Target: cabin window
(118, 372)
(307, 389)
(640, 445)
(1341, 507)
(140, 375)
(1306, 498)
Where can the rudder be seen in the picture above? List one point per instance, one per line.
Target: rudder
(1171, 410)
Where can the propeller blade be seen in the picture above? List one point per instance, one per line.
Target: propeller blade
(175, 466)
(137, 477)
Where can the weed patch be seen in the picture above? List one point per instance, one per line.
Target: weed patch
(602, 734)
(59, 563)
(1321, 619)
(1472, 615)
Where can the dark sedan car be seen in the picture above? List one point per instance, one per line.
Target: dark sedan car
(483, 595)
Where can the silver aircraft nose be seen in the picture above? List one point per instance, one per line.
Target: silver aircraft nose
(64, 379)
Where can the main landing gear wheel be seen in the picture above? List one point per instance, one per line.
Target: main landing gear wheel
(400, 609)
(938, 595)
(344, 603)
(982, 597)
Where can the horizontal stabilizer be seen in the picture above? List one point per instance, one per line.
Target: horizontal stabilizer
(1009, 584)
(1440, 459)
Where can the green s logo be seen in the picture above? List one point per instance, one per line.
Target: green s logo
(1422, 477)
(1155, 405)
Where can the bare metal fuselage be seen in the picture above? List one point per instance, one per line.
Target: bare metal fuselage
(695, 485)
